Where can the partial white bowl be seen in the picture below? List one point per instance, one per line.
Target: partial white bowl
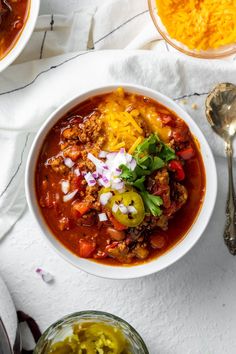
(155, 265)
(24, 36)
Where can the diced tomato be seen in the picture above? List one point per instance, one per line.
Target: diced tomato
(80, 208)
(181, 133)
(86, 248)
(117, 225)
(177, 167)
(186, 154)
(167, 119)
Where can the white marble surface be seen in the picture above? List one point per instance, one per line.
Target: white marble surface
(189, 308)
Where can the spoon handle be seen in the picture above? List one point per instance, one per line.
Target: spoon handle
(230, 227)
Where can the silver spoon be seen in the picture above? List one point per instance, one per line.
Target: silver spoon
(221, 114)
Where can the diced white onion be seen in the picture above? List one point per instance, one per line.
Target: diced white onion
(131, 209)
(123, 209)
(115, 207)
(132, 164)
(68, 162)
(105, 197)
(111, 155)
(77, 172)
(116, 180)
(95, 174)
(102, 154)
(117, 172)
(104, 183)
(94, 160)
(69, 196)
(90, 179)
(47, 277)
(118, 186)
(128, 157)
(102, 217)
(107, 172)
(65, 186)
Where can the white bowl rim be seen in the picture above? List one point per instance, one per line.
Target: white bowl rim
(24, 36)
(168, 258)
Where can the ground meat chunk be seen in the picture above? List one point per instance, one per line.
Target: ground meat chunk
(180, 194)
(161, 222)
(140, 251)
(57, 164)
(87, 131)
(73, 152)
(158, 184)
(119, 251)
(91, 197)
(90, 130)
(71, 132)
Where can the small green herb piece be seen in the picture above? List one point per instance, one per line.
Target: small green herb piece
(127, 174)
(151, 155)
(139, 183)
(148, 145)
(152, 203)
(157, 163)
(167, 153)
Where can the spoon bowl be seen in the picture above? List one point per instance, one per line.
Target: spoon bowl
(221, 109)
(221, 114)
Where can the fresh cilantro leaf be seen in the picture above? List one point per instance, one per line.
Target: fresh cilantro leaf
(145, 162)
(152, 203)
(127, 174)
(141, 172)
(148, 145)
(167, 153)
(157, 163)
(139, 184)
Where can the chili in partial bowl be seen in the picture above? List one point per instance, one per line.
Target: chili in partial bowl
(17, 21)
(118, 179)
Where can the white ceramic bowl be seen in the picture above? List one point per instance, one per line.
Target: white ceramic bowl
(24, 36)
(122, 272)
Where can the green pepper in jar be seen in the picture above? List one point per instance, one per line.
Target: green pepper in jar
(128, 208)
(92, 338)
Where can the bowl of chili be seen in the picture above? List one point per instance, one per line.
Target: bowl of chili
(121, 181)
(17, 21)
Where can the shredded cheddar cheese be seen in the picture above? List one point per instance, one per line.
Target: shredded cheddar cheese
(199, 24)
(121, 131)
(124, 118)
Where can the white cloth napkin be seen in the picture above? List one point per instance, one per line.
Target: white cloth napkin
(31, 90)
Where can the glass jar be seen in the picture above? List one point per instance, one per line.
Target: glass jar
(64, 327)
